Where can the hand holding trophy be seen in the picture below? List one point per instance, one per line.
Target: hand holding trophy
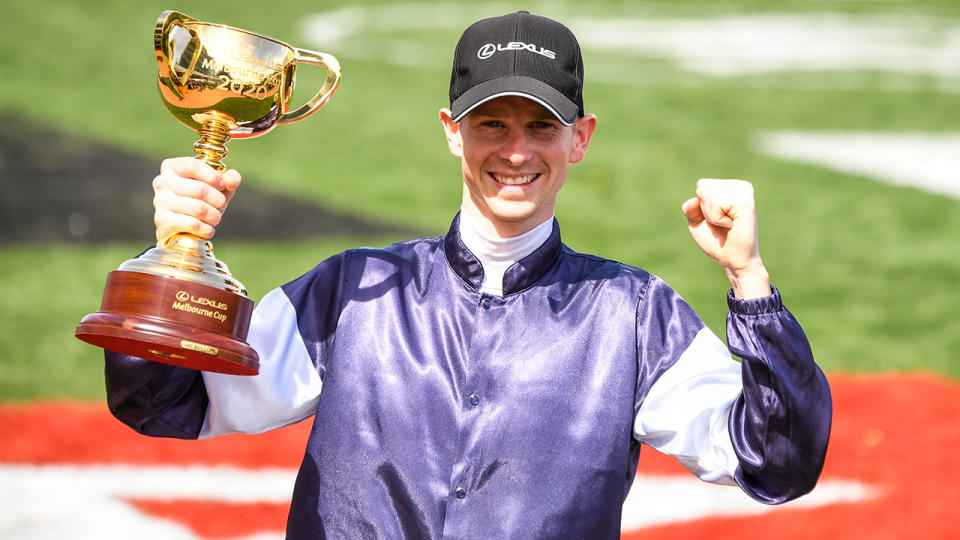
(177, 303)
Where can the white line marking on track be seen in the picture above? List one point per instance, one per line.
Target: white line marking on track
(724, 46)
(749, 44)
(928, 161)
(61, 501)
(661, 499)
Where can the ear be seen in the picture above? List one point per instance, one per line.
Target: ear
(582, 132)
(452, 131)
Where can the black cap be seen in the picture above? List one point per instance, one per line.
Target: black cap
(518, 55)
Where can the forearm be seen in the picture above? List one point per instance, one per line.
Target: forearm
(780, 424)
(155, 399)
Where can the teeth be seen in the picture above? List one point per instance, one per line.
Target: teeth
(514, 180)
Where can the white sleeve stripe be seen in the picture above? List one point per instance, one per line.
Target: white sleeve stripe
(285, 391)
(686, 412)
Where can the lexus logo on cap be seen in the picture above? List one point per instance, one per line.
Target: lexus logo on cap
(490, 49)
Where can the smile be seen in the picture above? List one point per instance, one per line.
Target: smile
(515, 180)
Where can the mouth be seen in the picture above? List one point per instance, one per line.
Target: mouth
(513, 180)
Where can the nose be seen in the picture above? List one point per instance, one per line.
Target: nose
(516, 148)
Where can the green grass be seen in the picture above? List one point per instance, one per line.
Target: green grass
(869, 269)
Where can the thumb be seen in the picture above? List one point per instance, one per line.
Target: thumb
(691, 209)
(231, 181)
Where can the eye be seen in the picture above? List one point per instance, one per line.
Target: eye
(542, 125)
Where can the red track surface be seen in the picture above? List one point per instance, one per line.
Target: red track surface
(900, 433)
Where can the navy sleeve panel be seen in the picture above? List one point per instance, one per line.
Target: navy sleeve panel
(780, 425)
(155, 399)
(666, 326)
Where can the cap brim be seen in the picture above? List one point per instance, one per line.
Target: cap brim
(516, 85)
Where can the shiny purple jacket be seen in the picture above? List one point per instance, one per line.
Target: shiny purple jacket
(447, 413)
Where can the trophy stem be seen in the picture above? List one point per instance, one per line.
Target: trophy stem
(214, 133)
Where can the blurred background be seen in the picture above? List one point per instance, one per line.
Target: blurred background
(842, 113)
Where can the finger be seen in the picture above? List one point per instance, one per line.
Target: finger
(190, 188)
(187, 167)
(714, 195)
(716, 214)
(731, 193)
(169, 223)
(188, 206)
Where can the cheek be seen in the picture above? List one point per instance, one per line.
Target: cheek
(472, 176)
(471, 166)
(560, 180)
(474, 160)
(560, 159)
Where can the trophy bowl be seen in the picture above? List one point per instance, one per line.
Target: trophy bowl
(176, 303)
(245, 80)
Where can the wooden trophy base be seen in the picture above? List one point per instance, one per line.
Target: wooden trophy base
(173, 321)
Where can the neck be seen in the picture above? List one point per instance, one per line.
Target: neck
(498, 228)
(495, 253)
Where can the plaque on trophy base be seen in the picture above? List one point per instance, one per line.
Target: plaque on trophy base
(149, 312)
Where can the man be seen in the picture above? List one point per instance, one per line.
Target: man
(492, 382)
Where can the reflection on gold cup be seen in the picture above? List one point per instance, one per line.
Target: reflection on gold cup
(177, 303)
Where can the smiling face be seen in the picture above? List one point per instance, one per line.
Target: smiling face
(515, 155)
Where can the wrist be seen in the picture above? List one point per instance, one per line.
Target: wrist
(750, 282)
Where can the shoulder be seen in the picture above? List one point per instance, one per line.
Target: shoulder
(361, 261)
(400, 257)
(592, 267)
(408, 251)
(648, 291)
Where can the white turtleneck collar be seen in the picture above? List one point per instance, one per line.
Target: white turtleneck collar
(498, 254)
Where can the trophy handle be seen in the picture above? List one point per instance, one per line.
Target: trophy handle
(332, 65)
(167, 22)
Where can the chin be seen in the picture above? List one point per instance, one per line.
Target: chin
(513, 213)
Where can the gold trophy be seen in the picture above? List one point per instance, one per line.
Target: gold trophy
(177, 303)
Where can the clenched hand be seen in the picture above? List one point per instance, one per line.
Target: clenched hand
(190, 196)
(722, 219)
